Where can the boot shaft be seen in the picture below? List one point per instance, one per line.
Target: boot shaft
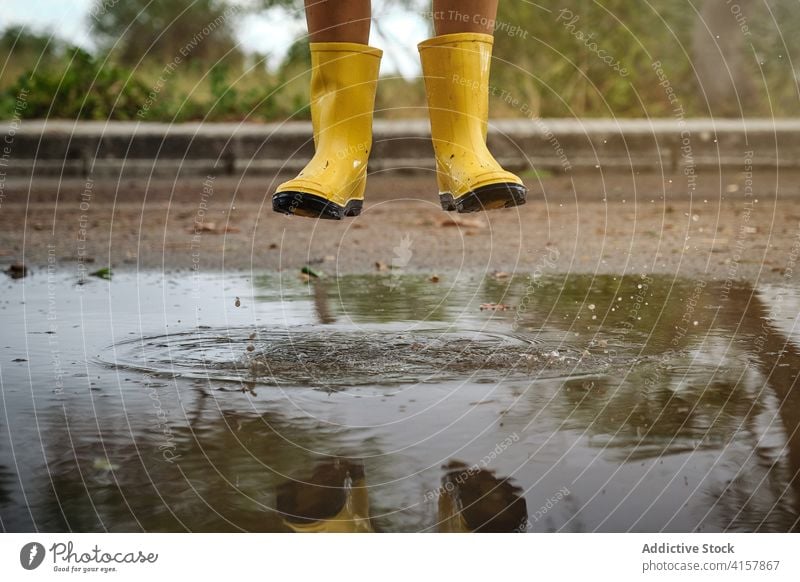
(456, 69)
(344, 78)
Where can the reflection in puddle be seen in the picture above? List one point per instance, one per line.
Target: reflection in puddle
(475, 500)
(382, 403)
(333, 499)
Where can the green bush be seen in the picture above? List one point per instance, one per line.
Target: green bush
(82, 88)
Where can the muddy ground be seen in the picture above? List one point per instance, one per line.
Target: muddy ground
(731, 226)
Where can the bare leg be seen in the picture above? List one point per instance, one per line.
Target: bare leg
(452, 16)
(338, 20)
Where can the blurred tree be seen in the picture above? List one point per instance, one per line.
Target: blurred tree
(24, 42)
(591, 59)
(21, 50)
(160, 29)
(724, 69)
(553, 65)
(775, 56)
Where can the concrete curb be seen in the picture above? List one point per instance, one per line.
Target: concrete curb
(36, 148)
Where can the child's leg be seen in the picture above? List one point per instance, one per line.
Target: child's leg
(338, 20)
(452, 16)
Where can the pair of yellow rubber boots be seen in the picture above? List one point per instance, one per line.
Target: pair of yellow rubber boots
(335, 499)
(343, 82)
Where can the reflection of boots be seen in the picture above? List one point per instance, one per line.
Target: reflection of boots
(456, 71)
(343, 80)
(333, 500)
(474, 500)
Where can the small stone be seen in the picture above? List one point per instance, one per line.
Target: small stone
(17, 271)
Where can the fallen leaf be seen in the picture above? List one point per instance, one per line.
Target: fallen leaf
(311, 272)
(460, 221)
(212, 228)
(17, 271)
(104, 273)
(104, 465)
(495, 307)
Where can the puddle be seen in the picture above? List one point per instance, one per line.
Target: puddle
(394, 403)
(307, 356)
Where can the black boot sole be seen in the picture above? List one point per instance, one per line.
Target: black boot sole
(313, 206)
(493, 196)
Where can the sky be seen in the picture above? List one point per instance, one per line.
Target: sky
(271, 32)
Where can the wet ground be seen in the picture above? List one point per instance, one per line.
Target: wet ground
(388, 402)
(740, 225)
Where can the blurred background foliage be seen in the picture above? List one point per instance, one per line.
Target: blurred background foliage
(544, 63)
(715, 66)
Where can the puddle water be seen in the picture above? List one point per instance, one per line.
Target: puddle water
(394, 403)
(346, 357)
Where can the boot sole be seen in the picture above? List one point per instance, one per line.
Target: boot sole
(493, 196)
(312, 206)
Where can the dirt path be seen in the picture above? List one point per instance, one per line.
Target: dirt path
(730, 227)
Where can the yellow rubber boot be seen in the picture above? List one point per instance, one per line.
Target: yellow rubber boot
(456, 71)
(344, 76)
